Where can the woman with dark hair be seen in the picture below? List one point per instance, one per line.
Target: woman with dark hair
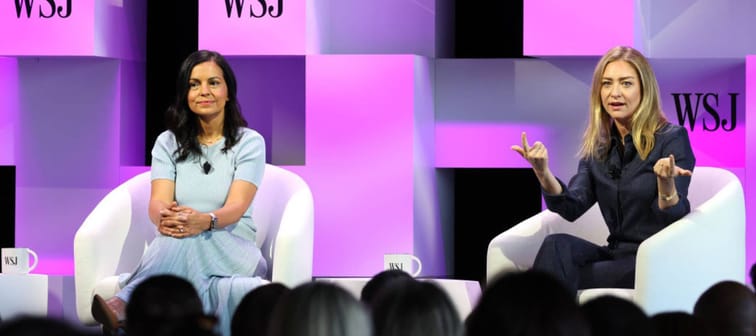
(206, 169)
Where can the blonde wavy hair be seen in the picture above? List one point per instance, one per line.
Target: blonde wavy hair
(646, 120)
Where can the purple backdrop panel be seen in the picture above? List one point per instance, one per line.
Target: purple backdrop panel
(266, 27)
(750, 143)
(271, 91)
(584, 27)
(360, 160)
(697, 28)
(69, 120)
(377, 27)
(488, 103)
(485, 145)
(67, 153)
(132, 114)
(75, 28)
(120, 29)
(9, 112)
(429, 229)
(48, 27)
(707, 97)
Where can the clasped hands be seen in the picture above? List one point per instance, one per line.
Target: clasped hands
(180, 221)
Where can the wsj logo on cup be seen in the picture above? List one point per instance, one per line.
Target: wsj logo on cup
(402, 261)
(16, 260)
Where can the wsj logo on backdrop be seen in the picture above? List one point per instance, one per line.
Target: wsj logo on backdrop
(257, 8)
(689, 108)
(47, 8)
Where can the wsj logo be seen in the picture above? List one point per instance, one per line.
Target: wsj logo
(50, 6)
(11, 261)
(688, 109)
(259, 10)
(395, 266)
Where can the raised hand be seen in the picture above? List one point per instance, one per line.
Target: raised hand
(666, 168)
(537, 155)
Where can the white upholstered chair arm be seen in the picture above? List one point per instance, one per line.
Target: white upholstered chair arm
(515, 248)
(680, 262)
(294, 242)
(98, 245)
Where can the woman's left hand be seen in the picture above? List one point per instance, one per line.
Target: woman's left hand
(665, 168)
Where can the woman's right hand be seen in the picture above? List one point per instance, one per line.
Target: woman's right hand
(169, 221)
(537, 155)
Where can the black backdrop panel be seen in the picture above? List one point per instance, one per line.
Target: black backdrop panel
(488, 201)
(7, 206)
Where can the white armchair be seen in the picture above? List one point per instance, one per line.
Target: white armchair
(673, 267)
(116, 233)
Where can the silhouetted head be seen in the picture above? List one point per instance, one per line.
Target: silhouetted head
(252, 315)
(612, 315)
(529, 303)
(678, 324)
(39, 326)
(163, 304)
(382, 280)
(415, 308)
(320, 309)
(728, 308)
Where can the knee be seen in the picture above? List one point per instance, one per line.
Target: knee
(556, 239)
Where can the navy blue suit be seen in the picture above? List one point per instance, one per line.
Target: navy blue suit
(625, 188)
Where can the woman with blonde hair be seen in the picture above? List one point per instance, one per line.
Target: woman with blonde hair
(632, 161)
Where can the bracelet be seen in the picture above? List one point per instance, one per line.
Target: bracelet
(213, 221)
(669, 197)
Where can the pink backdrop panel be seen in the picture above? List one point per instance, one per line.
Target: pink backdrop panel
(9, 112)
(750, 178)
(239, 27)
(581, 27)
(484, 145)
(359, 159)
(54, 27)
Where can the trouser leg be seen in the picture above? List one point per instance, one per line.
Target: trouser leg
(563, 256)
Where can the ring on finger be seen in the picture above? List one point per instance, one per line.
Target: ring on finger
(181, 229)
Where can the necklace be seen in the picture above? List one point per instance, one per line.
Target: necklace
(209, 141)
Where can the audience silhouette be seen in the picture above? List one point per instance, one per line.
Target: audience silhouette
(615, 316)
(678, 324)
(164, 305)
(382, 280)
(393, 303)
(728, 308)
(406, 308)
(320, 309)
(39, 326)
(526, 303)
(252, 315)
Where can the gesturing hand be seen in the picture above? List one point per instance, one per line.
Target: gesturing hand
(666, 168)
(537, 155)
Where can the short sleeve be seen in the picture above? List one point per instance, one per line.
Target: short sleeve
(163, 159)
(250, 161)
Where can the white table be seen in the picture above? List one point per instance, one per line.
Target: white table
(23, 294)
(464, 294)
